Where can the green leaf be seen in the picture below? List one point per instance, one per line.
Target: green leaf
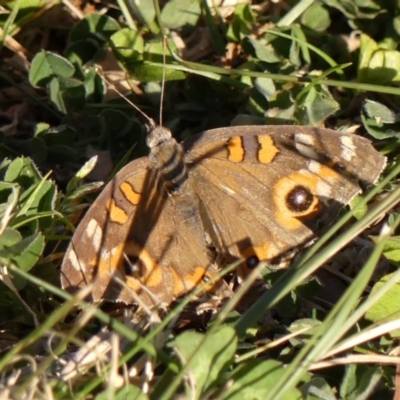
(41, 127)
(46, 65)
(8, 238)
(129, 391)
(27, 5)
(29, 250)
(319, 389)
(240, 27)
(144, 11)
(301, 43)
(301, 324)
(358, 211)
(22, 171)
(356, 9)
(37, 200)
(262, 51)
(360, 381)
(216, 36)
(316, 18)
(82, 51)
(154, 52)
(396, 24)
(84, 190)
(127, 44)
(85, 170)
(37, 196)
(380, 112)
(378, 130)
(67, 94)
(180, 13)
(280, 116)
(258, 102)
(387, 307)
(206, 356)
(316, 106)
(253, 380)
(295, 47)
(376, 64)
(62, 134)
(265, 86)
(74, 191)
(95, 87)
(9, 195)
(23, 252)
(391, 248)
(96, 27)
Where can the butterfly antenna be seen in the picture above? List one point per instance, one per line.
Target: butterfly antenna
(163, 80)
(111, 86)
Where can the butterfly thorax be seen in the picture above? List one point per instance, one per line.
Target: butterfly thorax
(167, 159)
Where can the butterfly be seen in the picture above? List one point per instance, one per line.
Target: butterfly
(248, 193)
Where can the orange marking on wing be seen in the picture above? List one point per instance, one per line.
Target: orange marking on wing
(268, 150)
(289, 218)
(327, 173)
(236, 150)
(153, 273)
(196, 279)
(130, 194)
(109, 261)
(134, 284)
(263, 251)
(155, 277)
(117, 214)
(178, 283)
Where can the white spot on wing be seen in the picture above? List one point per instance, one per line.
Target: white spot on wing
(323, 189)
(94, 234)
(105, 256)
(304, 143)
(303, 138)
(114, 251)
(314, 167)
(348, 148)
(73, 260)
(307, 151)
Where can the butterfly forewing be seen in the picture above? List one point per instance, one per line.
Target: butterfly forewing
(136, 240)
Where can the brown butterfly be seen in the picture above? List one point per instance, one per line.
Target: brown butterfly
(250, 193)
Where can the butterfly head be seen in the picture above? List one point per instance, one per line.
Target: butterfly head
(157, 135)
